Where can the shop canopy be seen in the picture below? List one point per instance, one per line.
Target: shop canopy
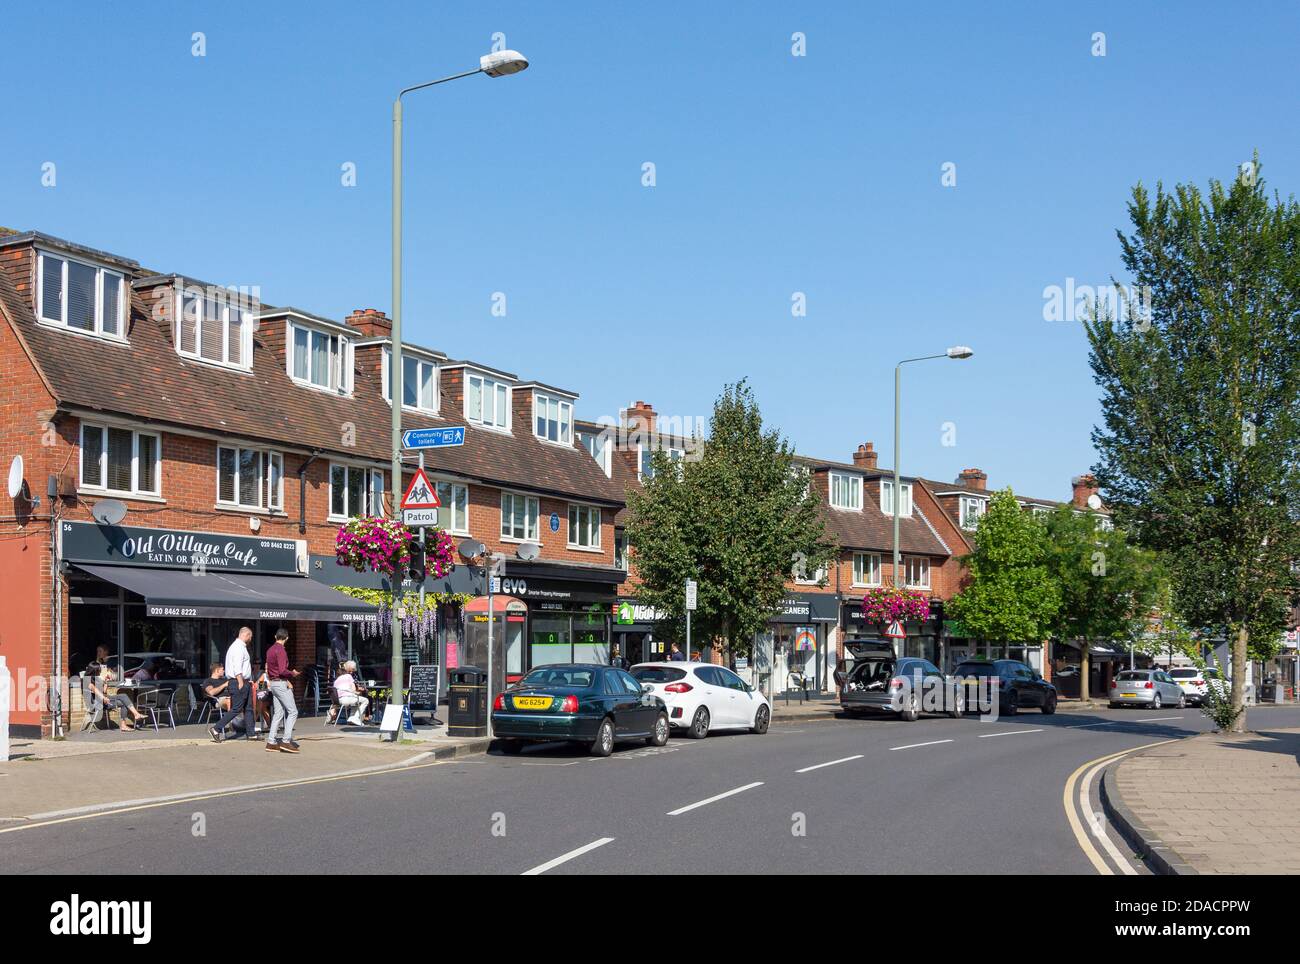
(183, 593)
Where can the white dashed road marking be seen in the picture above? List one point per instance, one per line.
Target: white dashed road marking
(1008, 733)
(563, 858)
(720, 796)
(913, 746)
(857, 756)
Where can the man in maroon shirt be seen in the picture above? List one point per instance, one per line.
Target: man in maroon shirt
(280, 682)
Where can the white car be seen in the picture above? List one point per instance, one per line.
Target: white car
(1196, 682)
(702, 697)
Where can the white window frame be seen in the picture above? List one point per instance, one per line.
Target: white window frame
(532, 515)
(230, 305)
(887, 502)
(270, 489)
(815, 579)
(563, 421)
(908, 562)
(500, 407)
(854, 484)
(434, 376)
(620, 549)
(102, 486)
(964, 510)
(341, 362)
(61, 321)
(374, 491)
(584, 516)
(606, 449)
(865, 570)
(446, 490)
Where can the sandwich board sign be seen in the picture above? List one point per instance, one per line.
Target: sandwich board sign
(420, 503)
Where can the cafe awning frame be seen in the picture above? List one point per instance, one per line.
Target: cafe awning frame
(220, 594)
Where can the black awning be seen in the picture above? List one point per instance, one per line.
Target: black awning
(183, 593)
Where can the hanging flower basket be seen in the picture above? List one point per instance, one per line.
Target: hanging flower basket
(373, 544)
(439, 553)
(889, 605)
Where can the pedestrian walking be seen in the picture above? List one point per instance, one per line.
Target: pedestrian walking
(616, 658)
(239, 671)
(280, 681)
(676, 655)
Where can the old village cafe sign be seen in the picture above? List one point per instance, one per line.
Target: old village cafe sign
(177, 549)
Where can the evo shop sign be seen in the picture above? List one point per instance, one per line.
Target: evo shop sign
(176, 549)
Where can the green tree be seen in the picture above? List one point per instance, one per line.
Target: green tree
(737, 519)
(1201, 404)
(1109, 587)
(1012, 595)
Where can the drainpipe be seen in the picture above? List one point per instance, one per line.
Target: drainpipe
(302, 491)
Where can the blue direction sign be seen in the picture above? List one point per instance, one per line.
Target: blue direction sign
(433, 438)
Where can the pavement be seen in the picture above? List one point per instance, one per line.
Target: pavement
(1218, 803)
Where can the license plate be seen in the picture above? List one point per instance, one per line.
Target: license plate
(532, 702)
(1128, 694)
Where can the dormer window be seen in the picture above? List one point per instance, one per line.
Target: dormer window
(80, 296)
(887, 498)
(214, 327)
(598, 447)
(419, 382)
(487, 401)
(846, 491)
(319, 359)
(972, 508)
(552, 418)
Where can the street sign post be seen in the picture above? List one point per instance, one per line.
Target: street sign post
(433, 438)
(691, 591)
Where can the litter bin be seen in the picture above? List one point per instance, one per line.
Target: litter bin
(467, 702)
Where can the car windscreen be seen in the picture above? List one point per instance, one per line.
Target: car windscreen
(1133, 674)
(1184, 673)
(975, 669)
(657, 674)
(579, 678)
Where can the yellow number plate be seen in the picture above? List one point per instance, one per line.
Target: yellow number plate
(532, 702)
(1128, 694)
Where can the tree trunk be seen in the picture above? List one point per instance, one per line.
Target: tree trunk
(1085, 672)
(1239, 653)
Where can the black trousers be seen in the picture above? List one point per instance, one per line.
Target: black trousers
(240, 702)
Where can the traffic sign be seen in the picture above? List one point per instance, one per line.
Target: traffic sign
(415, 518)
(433, 438)
(692, 588)
(421, 493)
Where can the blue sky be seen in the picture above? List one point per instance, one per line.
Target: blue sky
(775, 174)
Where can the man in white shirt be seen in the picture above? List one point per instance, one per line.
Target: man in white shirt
(239, 670)
(346, 687)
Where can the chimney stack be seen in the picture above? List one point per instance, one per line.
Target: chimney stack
(371, 322)
(865, 456)
(639, 417)
(1084, 487)
(973, 478)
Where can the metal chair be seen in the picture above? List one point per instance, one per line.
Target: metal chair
(153, 704)
(96, 709)
(202, 706)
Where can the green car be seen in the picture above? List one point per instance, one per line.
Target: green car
(578, 703)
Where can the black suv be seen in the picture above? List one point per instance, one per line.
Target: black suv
(1018, 686)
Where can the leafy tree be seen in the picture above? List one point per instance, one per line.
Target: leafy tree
(1012, 594)
(736, 520)
(1108, 586)
(1200, 447)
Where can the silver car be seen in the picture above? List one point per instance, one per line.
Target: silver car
(1146, 687)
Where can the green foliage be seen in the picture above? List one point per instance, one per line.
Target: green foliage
(1012, 594)
(735, 519)
(1200, 449)
(410, 601)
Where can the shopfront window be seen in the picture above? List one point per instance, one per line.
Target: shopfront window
(550, 640)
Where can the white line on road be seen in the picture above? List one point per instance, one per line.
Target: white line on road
(912, 746)
(543, 868)
(1098, 823)
(1008, 733)
(720, 796)
(857, 756)
(1157, 719)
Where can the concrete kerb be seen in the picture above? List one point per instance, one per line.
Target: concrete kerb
(1162, 858)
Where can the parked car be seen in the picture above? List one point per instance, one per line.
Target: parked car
(879, 681)
(580, 703)
(1195, 683)
(1146, 687)
(1018, 686)
(702, 697)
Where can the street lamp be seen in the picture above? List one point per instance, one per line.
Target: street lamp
(499, 63)
(956, 351)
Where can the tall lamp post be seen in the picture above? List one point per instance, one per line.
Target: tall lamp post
(500, 63)
(957, 351)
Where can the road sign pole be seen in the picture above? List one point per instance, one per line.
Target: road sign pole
(422, 547)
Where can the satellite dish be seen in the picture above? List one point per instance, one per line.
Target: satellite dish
(108, 512)
(1094, 501)
(471, 548)
(528, 551)
(15, 476)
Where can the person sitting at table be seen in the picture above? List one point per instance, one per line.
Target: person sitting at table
(147, 671)
(346, 688)
(215, 686)
(118, 701)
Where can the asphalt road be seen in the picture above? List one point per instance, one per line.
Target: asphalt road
(875, 796)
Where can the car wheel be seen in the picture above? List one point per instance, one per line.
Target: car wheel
(1156, 702)
(1012, 708)
(1049, 704)
(958, 705)
(700, 724)
(660, 735)
(1182, 702)
(603, 745)
(762, 720)
(912, 711)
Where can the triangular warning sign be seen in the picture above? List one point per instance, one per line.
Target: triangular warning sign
(421, 493)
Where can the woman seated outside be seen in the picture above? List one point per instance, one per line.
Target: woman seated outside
(119, 701)
(349, 697)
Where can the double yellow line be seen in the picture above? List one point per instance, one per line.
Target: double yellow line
(1071, 809)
